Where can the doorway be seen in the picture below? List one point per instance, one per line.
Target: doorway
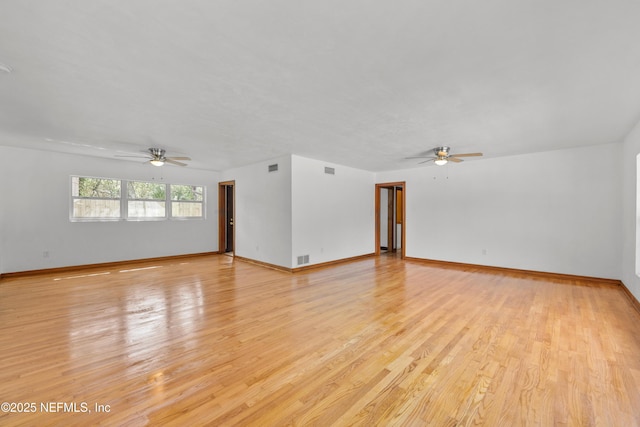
(226, 217)
(390, 201)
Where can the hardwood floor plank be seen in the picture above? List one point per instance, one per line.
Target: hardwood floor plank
(210, 340)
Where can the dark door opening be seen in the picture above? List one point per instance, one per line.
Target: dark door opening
(226, 217)
(390, 218)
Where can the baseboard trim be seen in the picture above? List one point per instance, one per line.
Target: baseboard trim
(73, 268)
(262, 264)
(305, 267)
(634, 302)
(331, 263)
(489, 268)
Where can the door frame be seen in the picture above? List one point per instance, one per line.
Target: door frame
(403, 233)
(222, 216)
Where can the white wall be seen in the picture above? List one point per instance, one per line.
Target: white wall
(35, 190)
(560, 211)
(556, 211)
(333, 215)
(631, 216)
(263, 211)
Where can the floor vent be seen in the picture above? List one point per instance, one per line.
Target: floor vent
(273, 168)
(330, 171)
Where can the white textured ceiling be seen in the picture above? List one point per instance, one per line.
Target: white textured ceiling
(359, 83)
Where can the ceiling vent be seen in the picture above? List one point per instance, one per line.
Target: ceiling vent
(273, 168)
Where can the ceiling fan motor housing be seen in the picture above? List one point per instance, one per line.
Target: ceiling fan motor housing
(442, 152)
(157, 153)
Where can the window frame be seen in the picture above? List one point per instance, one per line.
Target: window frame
(200, 202)
(128, 217)
(124, 200)
(73, 198)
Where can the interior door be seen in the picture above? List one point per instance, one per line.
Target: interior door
(226, 217)
(399, 205)
(391, 241)
(229, 218)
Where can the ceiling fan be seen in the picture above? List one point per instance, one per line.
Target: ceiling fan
(157, 157)
(442, 156)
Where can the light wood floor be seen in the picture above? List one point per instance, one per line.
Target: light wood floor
(376, 342)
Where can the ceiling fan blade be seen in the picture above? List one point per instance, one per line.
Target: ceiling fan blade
(466, 155)
(454, 159)
(135, 157)
(178, 158)
(173, 162)
(427, 161)
(420, 157)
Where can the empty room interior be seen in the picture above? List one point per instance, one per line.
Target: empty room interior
(320, 213)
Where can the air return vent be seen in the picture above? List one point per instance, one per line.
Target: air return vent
(330, 171)
(303, 259)
(273, 168)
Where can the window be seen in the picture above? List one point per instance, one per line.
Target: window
(146, 200)
(104, 199)
(187, 201)
(95, 198)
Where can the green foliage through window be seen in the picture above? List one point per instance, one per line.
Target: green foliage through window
(138, 190)
(190, 193)
(96, 188)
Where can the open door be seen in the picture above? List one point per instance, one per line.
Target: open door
(226, 217)
(390, 217)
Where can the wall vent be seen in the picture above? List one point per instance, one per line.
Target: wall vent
(303, 259)
(330, 171)
(273, 168)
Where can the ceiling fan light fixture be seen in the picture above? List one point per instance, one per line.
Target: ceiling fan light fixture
(156, 162)
(442, 156)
